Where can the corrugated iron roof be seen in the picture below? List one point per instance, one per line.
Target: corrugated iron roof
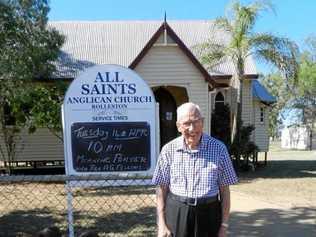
(261, 93)
(119, 42)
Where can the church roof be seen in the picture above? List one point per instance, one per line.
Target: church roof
(90, 43)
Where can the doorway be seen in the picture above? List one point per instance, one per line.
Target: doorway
(167, 115)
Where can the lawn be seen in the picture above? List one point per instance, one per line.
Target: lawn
(288, 179)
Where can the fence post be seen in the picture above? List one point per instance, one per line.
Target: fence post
(70, 209)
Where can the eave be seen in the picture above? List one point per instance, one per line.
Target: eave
(181, 45)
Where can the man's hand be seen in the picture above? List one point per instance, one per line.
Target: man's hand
(222, 231)
(163, 231)
(225, 199)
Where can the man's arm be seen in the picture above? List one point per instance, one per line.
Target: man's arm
(225, 202)
(162, 192)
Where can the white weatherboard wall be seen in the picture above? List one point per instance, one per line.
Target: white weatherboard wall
(101, 109)
(39, 146)
(260, 134)
(168, 65)
(247, 107)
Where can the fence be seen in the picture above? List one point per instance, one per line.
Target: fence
(107, 205)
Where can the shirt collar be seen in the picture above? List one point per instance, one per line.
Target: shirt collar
(181, 146)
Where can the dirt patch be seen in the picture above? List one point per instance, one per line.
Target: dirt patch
(288, 179)
(26, 208)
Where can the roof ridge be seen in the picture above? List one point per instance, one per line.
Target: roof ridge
(130, 21)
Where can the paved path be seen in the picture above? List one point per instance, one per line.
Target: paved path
(254, 217)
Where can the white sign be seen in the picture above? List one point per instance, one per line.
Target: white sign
(109, 123)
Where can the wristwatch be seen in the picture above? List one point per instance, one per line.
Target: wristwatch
(224, 224)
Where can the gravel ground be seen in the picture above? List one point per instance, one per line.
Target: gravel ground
(278, 199)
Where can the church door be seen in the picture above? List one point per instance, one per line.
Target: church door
(167, 115)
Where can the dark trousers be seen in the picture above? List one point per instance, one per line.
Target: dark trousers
(203, 220)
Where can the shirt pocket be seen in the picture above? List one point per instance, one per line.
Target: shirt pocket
(212, 175)
(176, 173)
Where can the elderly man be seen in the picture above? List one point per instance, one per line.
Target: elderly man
(193, 175)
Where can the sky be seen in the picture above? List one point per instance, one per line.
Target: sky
(290, 18)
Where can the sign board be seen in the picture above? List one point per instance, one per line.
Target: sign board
(123, 146)
(109, 123)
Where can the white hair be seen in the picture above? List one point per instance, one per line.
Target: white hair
(185, 108)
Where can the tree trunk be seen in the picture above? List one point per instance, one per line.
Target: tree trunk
(240, 73)
(311, 137)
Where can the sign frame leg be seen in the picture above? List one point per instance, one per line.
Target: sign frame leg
(70, 209)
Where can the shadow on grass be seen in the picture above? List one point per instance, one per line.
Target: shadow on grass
(282, 169)
(111, 191)
(296, 222)
(27, 223)
(141, 222)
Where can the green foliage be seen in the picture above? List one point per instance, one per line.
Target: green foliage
(305, 98)
(244, 147)
(302, 97)
(41, 106)
(277, 87)
(307, 76)
(9, 129)
(220, 124)
(222, 131)
(238, 25)
(28, 48)
(311, 47)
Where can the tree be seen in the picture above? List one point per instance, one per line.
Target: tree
(244, 147)
(41, 106)
(302, 98)
(27, 48)
(244, 42)
(220, 124)
(278, 88)
(311, 47)
(307, 82)
(305, 97)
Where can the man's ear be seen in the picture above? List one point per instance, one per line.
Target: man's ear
(178, 127)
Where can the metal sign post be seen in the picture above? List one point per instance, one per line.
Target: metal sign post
(70, 209)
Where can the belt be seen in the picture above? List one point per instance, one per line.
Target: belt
(193, 201)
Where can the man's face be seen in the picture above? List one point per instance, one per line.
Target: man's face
(191, 127)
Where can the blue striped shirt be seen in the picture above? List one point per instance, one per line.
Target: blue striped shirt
(194, 173)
